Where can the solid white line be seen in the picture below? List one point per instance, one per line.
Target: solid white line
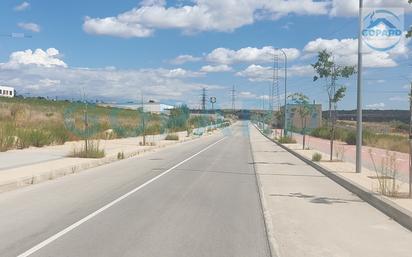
(90, 216)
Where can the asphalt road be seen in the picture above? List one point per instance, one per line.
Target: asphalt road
(199, 198)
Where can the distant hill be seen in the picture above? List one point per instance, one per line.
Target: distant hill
(373, 115)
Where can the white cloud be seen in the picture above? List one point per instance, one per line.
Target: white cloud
(258, 73)
(202, 15)
(43, 73)
(181, 59)
(49, 58)
(178, 73)
(345, 52)
(376, 106)
(403, 98)
(44, 84)
(112, 27)
(249, 55)
(21, 7)
(248, 95)
(217, 68)
(29, 26)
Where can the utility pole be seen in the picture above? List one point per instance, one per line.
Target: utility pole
(410, 143)
(359, 97)
(286, 93)
(143, 121)
(233, 92)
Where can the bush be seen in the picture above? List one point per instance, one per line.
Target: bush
(316, 157)
(174, 137)
(351, 138)
(93, 151)
(322, 132)
(120, 155)
(287, 140)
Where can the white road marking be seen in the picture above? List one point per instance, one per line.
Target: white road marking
(90, 216)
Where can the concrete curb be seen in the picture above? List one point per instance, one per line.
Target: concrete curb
(77, 168)
(273, 246)
(389, 208)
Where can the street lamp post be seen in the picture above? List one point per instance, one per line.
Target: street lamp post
(359, 96)
(286, 81)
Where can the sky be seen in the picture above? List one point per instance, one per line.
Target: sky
(116, 51)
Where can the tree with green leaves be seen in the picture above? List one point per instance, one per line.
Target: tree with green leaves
(304, 109)
(410, 29)
(330, 72)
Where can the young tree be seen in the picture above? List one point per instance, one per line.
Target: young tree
(304, 109)
(326, 69)
(410, 29)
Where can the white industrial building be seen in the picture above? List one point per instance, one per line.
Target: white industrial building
(155, 107)
(149, 107)
(6, 91)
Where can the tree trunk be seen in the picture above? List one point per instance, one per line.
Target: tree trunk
(304, 135)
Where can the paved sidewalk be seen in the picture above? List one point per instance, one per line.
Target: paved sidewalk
(310, 215)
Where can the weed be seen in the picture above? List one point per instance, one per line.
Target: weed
(92, 151)
(386, 174)
(120, 155)
(340, 152)
(287, 140)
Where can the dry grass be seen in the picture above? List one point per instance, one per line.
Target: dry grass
(92, 151)
(34, 122)
(174, 137)
(386, 174)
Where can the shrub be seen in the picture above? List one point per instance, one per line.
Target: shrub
(316, 157)
(93, 151)
(322, 132)
(351, 138)
(287, 140)
(174, 137)
(120, 155)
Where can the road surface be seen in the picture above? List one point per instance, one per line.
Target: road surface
(199, 198)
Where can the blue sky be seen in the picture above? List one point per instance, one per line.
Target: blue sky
(116, 50)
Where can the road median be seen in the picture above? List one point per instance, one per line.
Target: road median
(34, 173)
